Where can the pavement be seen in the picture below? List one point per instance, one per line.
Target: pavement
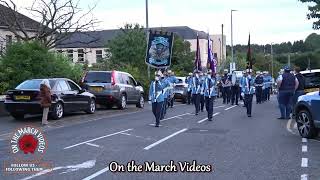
(232, 146)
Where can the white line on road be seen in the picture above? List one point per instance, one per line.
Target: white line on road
(219, 106)
(304, 140)
(304, 177)
(304, 162)
(97, 139)
(201, 121)
(96, 174)
(94, 145)
(175, 117)
(164, 139)
(295, 126)
(230, 107)
(304, 148)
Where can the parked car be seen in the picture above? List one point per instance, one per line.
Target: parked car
(67, 96)
(308, 114)
(181, 89)
(312, 80)
(114, 88)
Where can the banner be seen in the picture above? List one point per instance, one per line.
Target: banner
(159, 49)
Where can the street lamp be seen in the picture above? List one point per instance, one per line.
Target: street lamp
(271, 60)
(220, 50)
(147, 30)
(232, 60)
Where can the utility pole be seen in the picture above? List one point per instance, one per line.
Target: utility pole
(271, 61)
(222, 45)
(147, 28)
(232, 60)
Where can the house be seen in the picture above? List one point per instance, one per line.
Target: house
(91, 46)
(8, 18)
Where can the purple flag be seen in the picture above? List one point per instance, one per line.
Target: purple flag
(197, 62)
(212, 62)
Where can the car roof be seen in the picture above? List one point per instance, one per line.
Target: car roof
(310, 71)
(53, 79)
(111, 71)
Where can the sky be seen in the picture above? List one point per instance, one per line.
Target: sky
(268, 21)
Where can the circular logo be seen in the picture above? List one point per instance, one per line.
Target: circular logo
(28, 140)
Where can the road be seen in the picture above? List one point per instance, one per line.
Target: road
(238, 147)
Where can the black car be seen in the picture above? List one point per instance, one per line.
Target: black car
(67, 96)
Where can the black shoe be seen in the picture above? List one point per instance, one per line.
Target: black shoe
(210, 119)
(197, 114)
(157, 125)
(281, 118)
(249, 115)
(201, 110)
(237, 104)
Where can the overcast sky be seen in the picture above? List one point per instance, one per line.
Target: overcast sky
(267, 20)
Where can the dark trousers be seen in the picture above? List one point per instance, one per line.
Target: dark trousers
(196, 101)
(226, 93)
(285, 103)
(202, 101)
(189, 97)
(156, 109)
(267, 93)
(235, 91)
(164, 108)
(259, 94)
(209, 106)
(248, 102)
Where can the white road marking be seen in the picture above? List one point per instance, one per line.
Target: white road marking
(304, 177)
(96, 174)
(289, 125)
(137, 136)
(97, 139)
(203, 130)
(304, 162)
(230, 107)
(295, 126)
(201, 121)
(85, 165)
(94, 145)
(219, 107)
(174, 117)
(164, 139)
(155, 124)
(304, 140)
(304, 148)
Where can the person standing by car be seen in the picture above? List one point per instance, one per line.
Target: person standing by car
(300, 90)
(45, 100)
(189, 82)
(209, 93)
(173, 80)
(267, 79)
(156, 97)
(287, 84)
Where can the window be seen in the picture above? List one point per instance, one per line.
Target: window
(73, 86)
(70, 53)
(98, 77)
(132, 81)
(80, 55)
(8, 39)
(125, 79)
(64, 86)
(98, 55)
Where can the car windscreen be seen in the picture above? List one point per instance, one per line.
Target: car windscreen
(98, 77)
(33, 84)
(312, 80)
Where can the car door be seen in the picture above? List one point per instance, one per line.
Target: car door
(81, 101)
(135, 90)
(128, 87)
(66, 95)
(315, 104)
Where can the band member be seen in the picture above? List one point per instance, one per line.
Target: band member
(248, 91)
(202, 100)
(209, 93)
(226, 85)
(172, 80)
(196, 89)
(267, 84)
(258, 83)
(156, 97)
(189, 82)
(165, 92)
(235, 92)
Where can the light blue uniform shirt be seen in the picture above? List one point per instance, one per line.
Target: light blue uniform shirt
(212, 89)
(267, 81)
(245, 85)
(196, 86)
(156, 96)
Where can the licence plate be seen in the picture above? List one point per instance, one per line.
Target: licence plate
(22, 97)
(96, 89)
(311, 90)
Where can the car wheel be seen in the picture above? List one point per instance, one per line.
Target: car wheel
(17, 116)
(123, 102)
(305, 124)
(140, 104)
(58, 111)
(91, 106)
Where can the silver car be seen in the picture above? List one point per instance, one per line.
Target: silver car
(114, 88)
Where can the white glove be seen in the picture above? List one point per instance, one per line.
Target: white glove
(149, 102)
(242, 94)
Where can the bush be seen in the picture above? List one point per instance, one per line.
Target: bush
(28, 60)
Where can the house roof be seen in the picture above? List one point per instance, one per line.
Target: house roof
(98, 39)
(7, 14)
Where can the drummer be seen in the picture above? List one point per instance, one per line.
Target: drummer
(235, 89)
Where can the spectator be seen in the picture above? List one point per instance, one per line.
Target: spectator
(300, 90)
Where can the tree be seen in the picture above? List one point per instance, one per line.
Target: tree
(28, 60)
(314, 12)
(58, 19)
(312, 42)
